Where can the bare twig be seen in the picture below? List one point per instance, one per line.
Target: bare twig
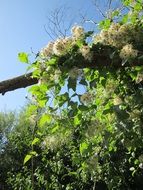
(109, 4)
(48, 33)
(56, 23)
(85, 20)
(99, 9)
(110, 7)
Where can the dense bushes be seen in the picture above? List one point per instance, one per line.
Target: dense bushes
(107, 157)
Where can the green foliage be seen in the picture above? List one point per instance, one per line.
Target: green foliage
(89, 140)
(105, 24)
(15, 145)
(23, 57)
(29, 155)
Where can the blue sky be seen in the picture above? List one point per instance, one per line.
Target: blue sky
(22, 28)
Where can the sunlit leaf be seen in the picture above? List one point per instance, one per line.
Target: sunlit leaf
(77, 120)
(83, 147)
(52, 61)
(27, 158)
(23, 57)
(36, 140)
(46, 118)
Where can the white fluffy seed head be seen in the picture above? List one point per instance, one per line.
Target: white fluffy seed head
(119, 35)
(58, 47)
(47, 51)
(61, 45)
(77, 32)
(86, 98)
(75, 73)
(86, 53)
(128, 52)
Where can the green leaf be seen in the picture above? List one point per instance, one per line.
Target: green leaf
(138, 7)
(133, 75)
(73, 104)
(105, 24)
(92, 83)
(83, 147)
(33, 153)
(125, 19)
(32, 109)
(27, 158)
(42, 102)
(83, 82)
(23, 57)
(73, 173)
(134, 17)
(54, 129)
(79, 43)
(115, 13)
(36, 140)
(62, 99)
(82, 107)
(107, 111)
(34, 89)
(136, 162)
(52, 61)
(88, 34)
(72, 84)
(126, 2)
(46, 118)
(77, 120)
(138, 68)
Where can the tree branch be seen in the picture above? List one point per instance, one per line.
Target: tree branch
(99, 61)
(17, 82)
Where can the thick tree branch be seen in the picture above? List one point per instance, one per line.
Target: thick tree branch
(17, 82)
(100, 60)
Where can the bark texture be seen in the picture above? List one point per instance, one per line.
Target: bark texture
(17, 82)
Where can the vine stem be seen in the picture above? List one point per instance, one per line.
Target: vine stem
(94, 186)
(32, 147)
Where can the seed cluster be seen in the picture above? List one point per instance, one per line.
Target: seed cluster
(62, 45)
(122, 37)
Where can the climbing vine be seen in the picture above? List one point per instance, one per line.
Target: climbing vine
(92, 115)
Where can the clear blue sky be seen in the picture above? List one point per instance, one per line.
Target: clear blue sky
(22, 28)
